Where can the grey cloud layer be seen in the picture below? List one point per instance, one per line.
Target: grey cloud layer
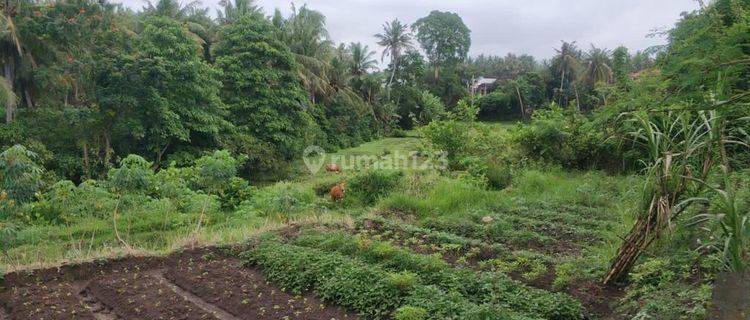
(502, 26)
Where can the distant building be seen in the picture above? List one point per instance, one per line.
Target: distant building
(482, 85)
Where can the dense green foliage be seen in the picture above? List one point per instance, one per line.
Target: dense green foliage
(114, 119)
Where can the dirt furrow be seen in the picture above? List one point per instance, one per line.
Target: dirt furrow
(207, 307)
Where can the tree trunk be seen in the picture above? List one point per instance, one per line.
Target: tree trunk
(639, 238)
(520, 100)
(9, 76)
(393, 72)
(29, 101)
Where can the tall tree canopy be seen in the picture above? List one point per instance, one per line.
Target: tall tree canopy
(162, 94)
(444, 37)
(395, 39)
(262, 91)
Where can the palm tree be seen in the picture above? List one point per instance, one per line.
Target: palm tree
(233, 10)
(13, 56)
(362, 60)
(597, 63)
(12, 50)
(395, 39)
(197, 20)
(304, 32)
(567, 61)
(170, 8)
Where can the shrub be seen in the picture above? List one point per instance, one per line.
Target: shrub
(410, 313)
(496, 106)
(398, 133)
(499, 176)
(133, 175)
(20, 176)
(448, 136)
(215, 171)
(430, 109)
(464, 111)
(371, 185)
(281, 200)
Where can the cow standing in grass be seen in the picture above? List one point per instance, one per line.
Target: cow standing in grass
(332, 167)
(337, 192)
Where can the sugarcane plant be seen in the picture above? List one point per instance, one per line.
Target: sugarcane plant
(682, 149)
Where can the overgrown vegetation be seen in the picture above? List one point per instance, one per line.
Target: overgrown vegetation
(167, 128)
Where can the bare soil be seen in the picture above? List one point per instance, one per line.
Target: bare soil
(192, 285)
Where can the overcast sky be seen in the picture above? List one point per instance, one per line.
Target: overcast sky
(499, 27)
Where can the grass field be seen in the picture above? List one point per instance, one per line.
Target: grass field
(534, 250)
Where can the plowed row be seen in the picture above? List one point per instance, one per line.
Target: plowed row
(197, 285)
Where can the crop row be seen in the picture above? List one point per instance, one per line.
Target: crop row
(458, 250)
(370, 290)
(492, 288)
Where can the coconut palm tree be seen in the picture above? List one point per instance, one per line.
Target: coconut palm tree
(13, 55)
(12, 50)
(597, 67)
(304, 32)
(567, 61)
(362, 59)
(395, 39)
(170, 8)
(234, 9)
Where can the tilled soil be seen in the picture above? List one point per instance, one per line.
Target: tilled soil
(200, 284)
(244, 292)
(50, 301)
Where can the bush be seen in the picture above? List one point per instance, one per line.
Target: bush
(369, 186)
(497, 106)
(567, 139)
(215, 171)
(448, 136)
(464, 111)
(133, 175)
(499, 176)
(410, 313)
(20, 176)
(398, 133)
(282, 200)
(430, 109)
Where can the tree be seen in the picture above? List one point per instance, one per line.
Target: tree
(597, 67)
(15, 57)
(395, 39)
(236, 9)
(162, 95)
(503, 68)
(263, 92)
(566, 63)
(8, 97)
(362, 60)
(444, 37)
(304, 32)
(621, 64)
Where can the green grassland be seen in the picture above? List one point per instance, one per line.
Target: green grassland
(533, 250)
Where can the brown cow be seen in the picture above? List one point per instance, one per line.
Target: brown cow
(337, 192)
(332, 167)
